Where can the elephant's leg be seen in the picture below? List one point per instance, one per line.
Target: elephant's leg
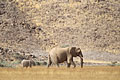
(69, 60)
(49, 61)
(73, 63)
(26, 66)
(56, 61)
(30, 65)
(68, 65)
(57, 64)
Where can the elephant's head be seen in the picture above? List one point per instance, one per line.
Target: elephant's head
(77, 52)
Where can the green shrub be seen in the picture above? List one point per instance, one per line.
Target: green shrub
(5, 64)
(38, 63)
(9, 64)
(114, 64)
(16, 62)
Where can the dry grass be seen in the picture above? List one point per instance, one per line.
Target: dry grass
(38, 73)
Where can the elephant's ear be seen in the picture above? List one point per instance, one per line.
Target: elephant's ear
(72, 51)
(80, 52)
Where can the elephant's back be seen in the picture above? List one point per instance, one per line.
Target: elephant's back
(59, 53)
(24, 61)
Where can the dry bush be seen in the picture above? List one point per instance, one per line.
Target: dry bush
(37, 73)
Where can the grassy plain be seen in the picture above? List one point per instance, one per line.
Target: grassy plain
(62, 73)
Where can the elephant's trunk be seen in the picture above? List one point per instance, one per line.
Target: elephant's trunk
(82, 62)
(81, 59)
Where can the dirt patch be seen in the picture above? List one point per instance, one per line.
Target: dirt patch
(101, 56)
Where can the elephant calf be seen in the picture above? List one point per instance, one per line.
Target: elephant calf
(28, 63)
(59, 55)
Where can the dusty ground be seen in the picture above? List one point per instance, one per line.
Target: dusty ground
(37, 73)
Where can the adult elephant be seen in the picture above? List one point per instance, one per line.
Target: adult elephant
(59, 55)
(27, 63)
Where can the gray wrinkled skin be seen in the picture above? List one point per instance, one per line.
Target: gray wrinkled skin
(59, 55)
(28, 63)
